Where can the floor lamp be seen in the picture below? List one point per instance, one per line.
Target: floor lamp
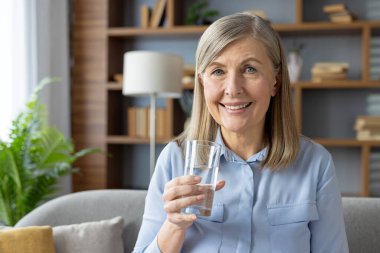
(153, 74)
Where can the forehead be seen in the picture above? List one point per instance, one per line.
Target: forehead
(243, 47)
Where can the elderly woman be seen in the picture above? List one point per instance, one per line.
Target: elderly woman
(278, 191)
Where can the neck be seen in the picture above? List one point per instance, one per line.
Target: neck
(244, 144)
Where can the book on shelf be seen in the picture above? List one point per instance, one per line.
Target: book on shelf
(367, 121)
(374, 168)
(372, 9)
(331, 8)
(170, 13)
(367, 127)
(158, 13)
(144, 16)
(373, 109)
(375, 157)
(339, 13)
(375, 41)
(375, 51)
(366, 135)
(327, 71)
(342, 18)
(332, 66)
(138, 122)
(375, 61)
(131, 121)
(374, 69)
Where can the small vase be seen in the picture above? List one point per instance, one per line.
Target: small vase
(294, 66)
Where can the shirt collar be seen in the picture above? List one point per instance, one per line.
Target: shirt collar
(230, 156)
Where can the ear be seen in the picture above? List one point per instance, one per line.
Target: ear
(200, 79)
(275, 88)
(276, 82)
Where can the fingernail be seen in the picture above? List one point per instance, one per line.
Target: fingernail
(197, 178)
(201, 188)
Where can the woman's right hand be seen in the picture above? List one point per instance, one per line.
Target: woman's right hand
(179, 193)
(182, 192)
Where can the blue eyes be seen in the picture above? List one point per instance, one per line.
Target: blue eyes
(246, 70)
(217, 72)
(250, 70)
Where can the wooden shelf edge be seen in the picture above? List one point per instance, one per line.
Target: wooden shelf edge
(347, 142)
(280, 27)
(350, 84)
(123, 139)
(135, 31)
(119, 86)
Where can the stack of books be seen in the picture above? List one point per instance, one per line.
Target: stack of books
(328, 71)
(162, 11)
(338, 13)
(373, 104)
(138, 122)
(372, 9)
(374, 174)
(367, 127)
(375, 58)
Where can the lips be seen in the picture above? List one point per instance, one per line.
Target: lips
(237, 106)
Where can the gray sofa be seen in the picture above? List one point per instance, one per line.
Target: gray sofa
(362, 215)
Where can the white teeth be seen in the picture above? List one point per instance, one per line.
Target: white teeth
(236, 107)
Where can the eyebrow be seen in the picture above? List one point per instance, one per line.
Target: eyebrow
(243, 62)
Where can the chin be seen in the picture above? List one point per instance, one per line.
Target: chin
(234, 129)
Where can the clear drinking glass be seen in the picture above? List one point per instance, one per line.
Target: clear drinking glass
(202, 159)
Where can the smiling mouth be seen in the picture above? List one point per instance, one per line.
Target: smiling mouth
(237, 107)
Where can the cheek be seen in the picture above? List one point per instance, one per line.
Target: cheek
(211, 92)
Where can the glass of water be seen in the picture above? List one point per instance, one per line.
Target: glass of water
(202, 159)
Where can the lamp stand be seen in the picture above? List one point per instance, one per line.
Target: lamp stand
(152, 131)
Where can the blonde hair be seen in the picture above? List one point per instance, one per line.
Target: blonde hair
(280, 130)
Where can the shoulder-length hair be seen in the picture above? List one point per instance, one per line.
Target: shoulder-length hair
(280, 130)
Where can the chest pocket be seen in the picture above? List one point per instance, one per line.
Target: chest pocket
(205, 235)
(289, 230)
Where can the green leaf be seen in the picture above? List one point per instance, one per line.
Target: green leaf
(33, 160)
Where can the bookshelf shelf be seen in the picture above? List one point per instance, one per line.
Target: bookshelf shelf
(347, 143)
(306, 27)
(122, 139)
(119, 86)
(348, 84)
(177, 30)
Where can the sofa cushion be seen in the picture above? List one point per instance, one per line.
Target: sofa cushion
(95, 237)
(27, 240)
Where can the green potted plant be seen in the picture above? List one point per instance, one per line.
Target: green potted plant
(34, 158)
(198, 14)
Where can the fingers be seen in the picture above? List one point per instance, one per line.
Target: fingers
(181, 186)
(182, 219)
(175, 206)
(220, 184)
(183, 180)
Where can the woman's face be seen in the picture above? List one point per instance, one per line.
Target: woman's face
(238, 86)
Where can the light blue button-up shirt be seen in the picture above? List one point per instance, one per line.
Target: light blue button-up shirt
(259, 210)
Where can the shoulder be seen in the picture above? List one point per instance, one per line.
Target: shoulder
(317, 159)
(170, 162)
(313, 149)
(171, 150)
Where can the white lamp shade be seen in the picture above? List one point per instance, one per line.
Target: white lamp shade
(147, 72)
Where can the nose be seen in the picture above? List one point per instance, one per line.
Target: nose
(233, 85)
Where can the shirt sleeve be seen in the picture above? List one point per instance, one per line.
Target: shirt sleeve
(169, 165)
(328, 232)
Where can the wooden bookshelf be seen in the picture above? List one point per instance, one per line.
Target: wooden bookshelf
(98, 39)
